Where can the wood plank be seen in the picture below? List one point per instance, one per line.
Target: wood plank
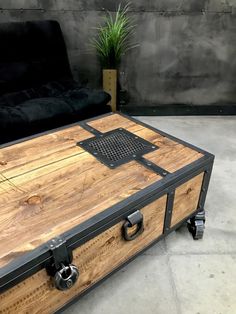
(40, 151)
(95, 259)
(48, 185)
(29, 155)
(171, 155)
(38, 190)
(186, 199)
(112, 122)
(50, 200)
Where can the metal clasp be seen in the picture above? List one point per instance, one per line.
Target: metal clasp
(60, 268)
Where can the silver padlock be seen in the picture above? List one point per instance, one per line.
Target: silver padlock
(66, 277)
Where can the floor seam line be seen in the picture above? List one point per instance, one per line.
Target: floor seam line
(172, 281)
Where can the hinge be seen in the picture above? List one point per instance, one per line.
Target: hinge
(61, 255)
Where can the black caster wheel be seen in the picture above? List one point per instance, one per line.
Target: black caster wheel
(196, 225)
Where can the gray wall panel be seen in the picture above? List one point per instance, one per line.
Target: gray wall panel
(186, 51)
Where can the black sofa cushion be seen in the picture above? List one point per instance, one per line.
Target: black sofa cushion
(31, 54)
(37, 90)
(40, 114)
(50, 89)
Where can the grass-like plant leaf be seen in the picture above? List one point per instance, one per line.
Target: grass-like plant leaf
(113, 37)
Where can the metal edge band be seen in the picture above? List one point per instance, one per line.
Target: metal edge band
(177, 109)
(140, 159)
(90, 129)
(32, 262)
(103, 116)
(149, 147)
(169, 209)
(30, 137)
(204, 188)
(134, 202)
(171, 137)
(150, 165)
(166, 230)
(128, 261)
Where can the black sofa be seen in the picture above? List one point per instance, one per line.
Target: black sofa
(37, 89)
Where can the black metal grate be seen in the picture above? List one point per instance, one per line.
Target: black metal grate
(117, 147)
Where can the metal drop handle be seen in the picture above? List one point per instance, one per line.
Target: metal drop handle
(134, 219)
(66, 277)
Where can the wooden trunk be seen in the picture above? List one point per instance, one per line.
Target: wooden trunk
(92, 195)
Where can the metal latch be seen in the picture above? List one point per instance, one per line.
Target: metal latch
(60, 268)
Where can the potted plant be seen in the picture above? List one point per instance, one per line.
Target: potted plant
(111, 43)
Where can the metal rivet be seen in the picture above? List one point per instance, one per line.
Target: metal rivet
(112, 165)
(153, 147)
(149, 164)
(164, 173)
(169, 211)
(134, 156)
(95, 153)
(81, 143)
(51, 245)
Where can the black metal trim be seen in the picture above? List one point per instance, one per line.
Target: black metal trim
(30, 263)
(147, 148)
(169, 209)
(60, 255)
(127, 262)
(164, 134)
(31, 137)
(90, 129)
(140, 159)
(37, 259)
(179, 110)
(204, 188)
(150, 165)
(103, 116)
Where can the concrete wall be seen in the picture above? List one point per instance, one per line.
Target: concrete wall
(187, 51)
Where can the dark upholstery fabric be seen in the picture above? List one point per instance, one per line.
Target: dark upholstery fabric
(37, 91)
(52, 108)
(32, 53)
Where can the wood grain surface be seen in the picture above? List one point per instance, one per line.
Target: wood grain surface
(95, 259)
(171, 155)
(186, 199)
(48, 184)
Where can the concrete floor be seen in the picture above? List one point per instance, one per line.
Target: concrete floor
(179, 275)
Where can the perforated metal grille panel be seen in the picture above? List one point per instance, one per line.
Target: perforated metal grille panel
(117, 147)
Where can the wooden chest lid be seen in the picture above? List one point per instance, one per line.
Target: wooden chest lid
(49, 184)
